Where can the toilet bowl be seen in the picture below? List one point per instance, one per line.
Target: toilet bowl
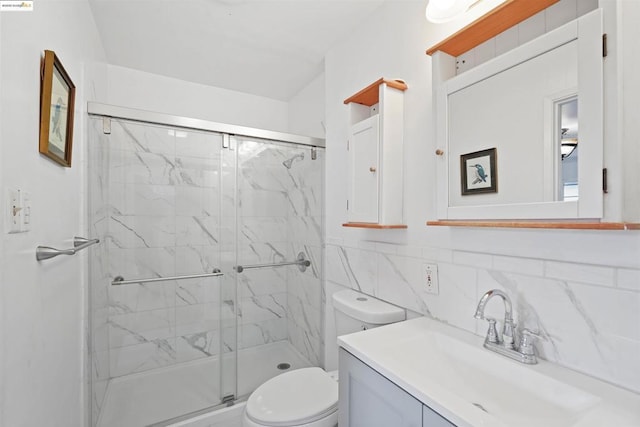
(308, 397)
(305, 397)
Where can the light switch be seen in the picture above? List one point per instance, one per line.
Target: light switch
(25, 202)
(14, 219)
(18, 211)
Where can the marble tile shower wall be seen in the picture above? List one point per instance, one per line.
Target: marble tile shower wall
(280, 215)
(98, 272)
(304, 289)
(167, 202)
(163, 220)
(587, 314)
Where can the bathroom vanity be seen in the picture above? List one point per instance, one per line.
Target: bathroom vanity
(370, 399)
(422, 372)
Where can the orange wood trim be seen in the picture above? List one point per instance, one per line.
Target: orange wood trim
(374, 226)
(538, 224)
(370, 95)
(503, 17)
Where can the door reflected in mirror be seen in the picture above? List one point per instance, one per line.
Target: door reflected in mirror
(567, 111)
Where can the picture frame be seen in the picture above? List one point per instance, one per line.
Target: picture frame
(479, 172)
(57, 99)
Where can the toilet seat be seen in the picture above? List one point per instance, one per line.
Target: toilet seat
(295, 398)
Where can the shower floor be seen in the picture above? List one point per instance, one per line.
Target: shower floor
(146, 398)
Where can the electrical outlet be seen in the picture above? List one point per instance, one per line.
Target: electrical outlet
(431, 278)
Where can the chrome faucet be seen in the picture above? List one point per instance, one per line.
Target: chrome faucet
(506, 344)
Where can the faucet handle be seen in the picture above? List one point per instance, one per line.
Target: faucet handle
(492, 332)
(527, 341)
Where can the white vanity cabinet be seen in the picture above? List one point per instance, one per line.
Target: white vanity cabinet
(375, 156)
(368, 399)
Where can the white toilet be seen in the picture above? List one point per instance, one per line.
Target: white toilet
(308, 397)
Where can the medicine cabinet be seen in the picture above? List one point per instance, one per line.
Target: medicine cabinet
(502, 130)
(375, 156)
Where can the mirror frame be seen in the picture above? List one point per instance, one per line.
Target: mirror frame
(587, 30)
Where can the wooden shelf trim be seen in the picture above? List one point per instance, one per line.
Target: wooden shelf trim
(370, 95)
(566, 225)
(503, 17)
(374, 226)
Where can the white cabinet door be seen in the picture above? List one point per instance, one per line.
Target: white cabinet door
(364, 140)
(367, 399)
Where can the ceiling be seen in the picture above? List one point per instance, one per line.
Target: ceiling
(271, 48)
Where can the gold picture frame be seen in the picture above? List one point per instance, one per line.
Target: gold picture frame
(57, 97)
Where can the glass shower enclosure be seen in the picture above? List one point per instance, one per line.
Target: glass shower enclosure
(208, 280)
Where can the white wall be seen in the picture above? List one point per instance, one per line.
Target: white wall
(2, 231)
(42, 342)
(152, 92)
(306, 109)
(579, 288)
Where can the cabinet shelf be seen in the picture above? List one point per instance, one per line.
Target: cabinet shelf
(566, 225)
(503, 17)
(374, 226)
(370, 95)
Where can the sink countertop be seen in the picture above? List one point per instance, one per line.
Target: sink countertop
(448, 370)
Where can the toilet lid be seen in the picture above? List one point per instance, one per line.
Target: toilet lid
(296, 397)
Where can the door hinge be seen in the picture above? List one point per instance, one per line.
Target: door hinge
(605, 51)
(604, 181)
(347, 204)
(347, 145)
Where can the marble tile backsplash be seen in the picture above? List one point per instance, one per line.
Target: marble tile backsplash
(587, 315)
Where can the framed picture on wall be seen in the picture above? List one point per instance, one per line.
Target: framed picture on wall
(479, 172)
(57, 95)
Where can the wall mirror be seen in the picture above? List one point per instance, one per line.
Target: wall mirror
(527, 106)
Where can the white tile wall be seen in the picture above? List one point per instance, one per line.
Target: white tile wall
(588, 321)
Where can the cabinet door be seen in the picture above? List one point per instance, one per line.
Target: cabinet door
(367, 399)
(431, 418)
(364, 140)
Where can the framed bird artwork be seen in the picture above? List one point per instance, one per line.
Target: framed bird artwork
(57, 95)
(479, 172)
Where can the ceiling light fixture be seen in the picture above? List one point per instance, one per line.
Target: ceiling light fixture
(440, 11)
(568, 144)
(567, 147)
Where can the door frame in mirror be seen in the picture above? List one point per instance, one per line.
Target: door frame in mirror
(587, 30)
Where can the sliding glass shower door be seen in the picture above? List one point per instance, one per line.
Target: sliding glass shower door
(279, 211)
(208, 280)
(157, 332)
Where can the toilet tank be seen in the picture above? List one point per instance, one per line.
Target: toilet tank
(356, 312)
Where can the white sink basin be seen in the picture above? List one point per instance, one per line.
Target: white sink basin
(449, 371)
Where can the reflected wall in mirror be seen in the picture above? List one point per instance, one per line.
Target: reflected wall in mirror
(508, 111)
(519, 103)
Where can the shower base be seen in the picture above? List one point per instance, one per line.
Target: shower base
(152, 397)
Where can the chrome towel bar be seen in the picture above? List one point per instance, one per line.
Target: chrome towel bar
(119, 280)
(79, 243)
(301, 262)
